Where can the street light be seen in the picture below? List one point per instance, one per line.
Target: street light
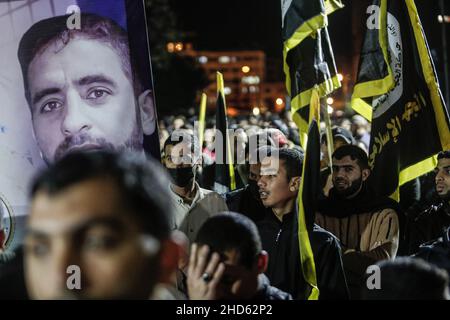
(330, 101)
(245, 69)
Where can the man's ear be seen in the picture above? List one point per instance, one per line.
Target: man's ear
(263, 262)
(294, 185)
(365, 174)
(147, 110)
(172, 251)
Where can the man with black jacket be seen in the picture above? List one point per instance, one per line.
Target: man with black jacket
(429, 224)
(278, 186)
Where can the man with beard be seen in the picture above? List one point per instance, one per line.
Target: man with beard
(365, 224)
(193, 205)
(431, 223)
(82, 88)
(279, 184)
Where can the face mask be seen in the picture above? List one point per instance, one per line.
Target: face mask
(182, 176)
(253, 188)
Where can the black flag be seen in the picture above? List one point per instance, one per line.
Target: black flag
(397, 89)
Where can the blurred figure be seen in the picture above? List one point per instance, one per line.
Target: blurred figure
(437, 252)
(361, 130)
(279, 183)
(193, 204)
(246, 200)
(227, 262)
(278, 137)
(178, 122)
(409, 279)
(366, 225)
(2, 231)
(432, 222)
(106, 216)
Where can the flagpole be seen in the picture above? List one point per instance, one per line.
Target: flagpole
(330, 142)
(444, 53)
(201, 119)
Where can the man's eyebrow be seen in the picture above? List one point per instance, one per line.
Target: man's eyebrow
(45, 92)
(85, 81)
(343, 166)
(110, 222)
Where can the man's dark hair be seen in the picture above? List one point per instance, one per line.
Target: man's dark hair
(444, 155)
(93, 27)
(293, 162)
(231, 231)
(355, 153)
(142, 184)
(408, 278)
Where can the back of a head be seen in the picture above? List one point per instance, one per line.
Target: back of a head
(408, 278)
(231, 231)
(141, 183)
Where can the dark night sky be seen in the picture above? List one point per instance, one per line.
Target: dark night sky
(255, 24)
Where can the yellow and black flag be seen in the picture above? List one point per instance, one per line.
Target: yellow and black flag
(224, 172)
(397, 90)
(308, 56)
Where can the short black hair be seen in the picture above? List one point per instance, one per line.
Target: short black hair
(293, 162)
(142, 184)
(355, 153)
(93, 27)
(407, 278)
(232, 231)
(444, 155)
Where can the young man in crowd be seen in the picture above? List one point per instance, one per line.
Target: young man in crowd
(193, 204)
(366, 225)
(431, 223)
(227, 262)
(246, 200)
(99, 229)
(279, 184)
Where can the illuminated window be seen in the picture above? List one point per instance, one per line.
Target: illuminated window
(224, 59)
(203, 59)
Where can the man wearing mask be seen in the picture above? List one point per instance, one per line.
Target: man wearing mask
(365, 224)
(193, 205)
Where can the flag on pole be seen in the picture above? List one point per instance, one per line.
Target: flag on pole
(308, 55)
(398, 91)
(224, 173)
(307, 199)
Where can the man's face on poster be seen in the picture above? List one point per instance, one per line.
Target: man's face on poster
(81, 99)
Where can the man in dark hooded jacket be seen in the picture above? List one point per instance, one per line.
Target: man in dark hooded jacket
(278, 186)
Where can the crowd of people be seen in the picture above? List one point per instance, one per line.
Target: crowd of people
(138, 229)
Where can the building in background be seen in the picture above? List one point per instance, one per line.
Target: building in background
(245, 73)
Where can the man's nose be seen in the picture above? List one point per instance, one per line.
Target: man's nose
(261, 182)
(75, 118)
(62, 259)
(439, 176)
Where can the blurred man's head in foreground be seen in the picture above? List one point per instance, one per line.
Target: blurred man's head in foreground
(105, 215)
